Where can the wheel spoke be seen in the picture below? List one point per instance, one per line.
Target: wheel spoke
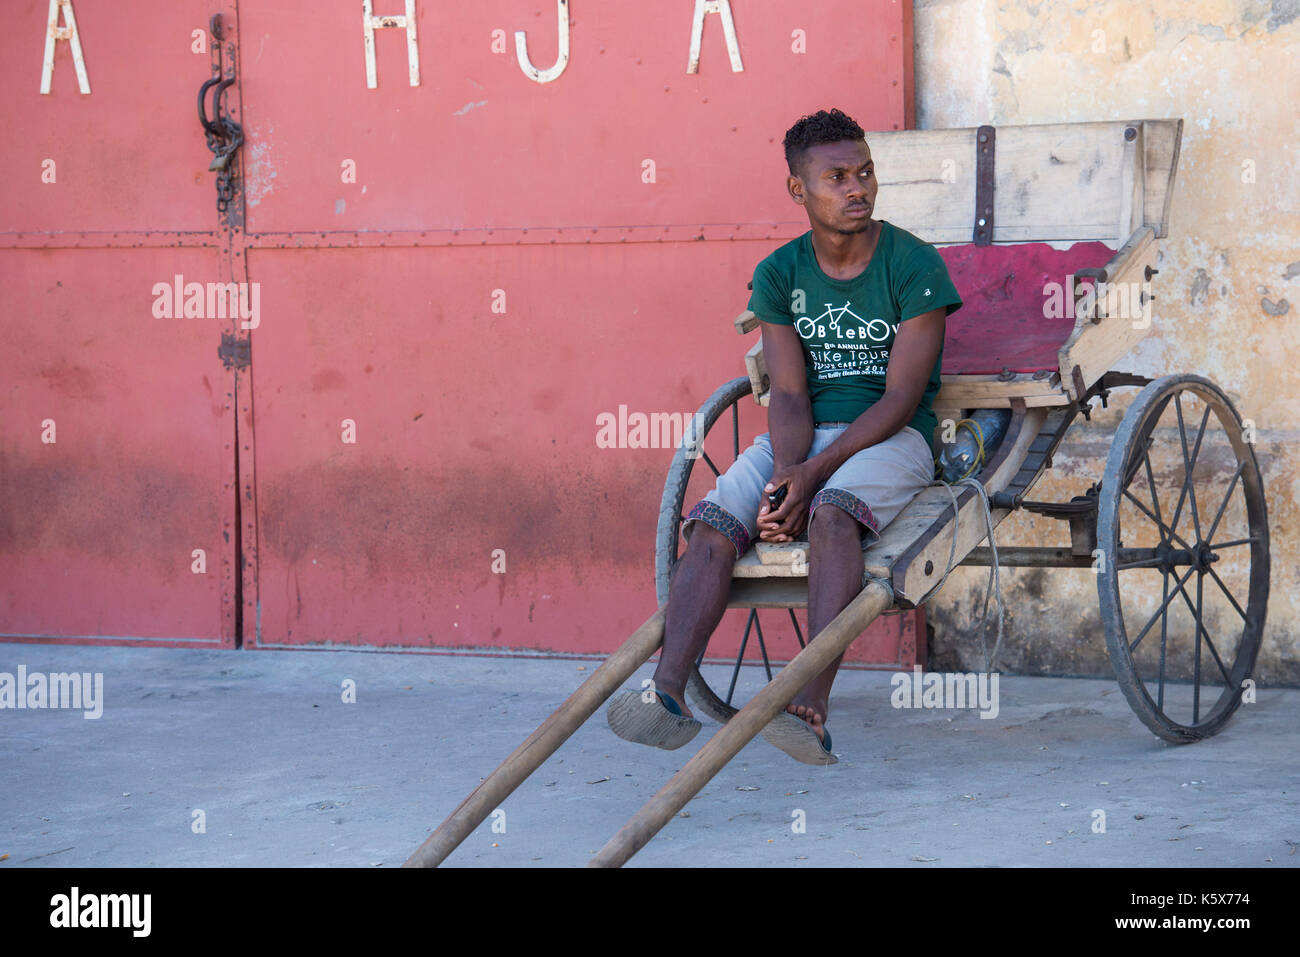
(1164, 528)
(797, 632)
(1151, 484)
(709, 462)
(762, 645)
(735, 430)
(1228, 594)
(1164, 643)
(1201, 629)
(1131, 469)
(1163, 605)
(1224, 504)
(735, 673)
(1196, 668)
(1236, 541)
(1188, 465)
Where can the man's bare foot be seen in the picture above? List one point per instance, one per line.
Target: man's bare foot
(789, 732)
(814, 715)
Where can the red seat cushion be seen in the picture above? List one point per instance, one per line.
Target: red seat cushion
(1001, 324)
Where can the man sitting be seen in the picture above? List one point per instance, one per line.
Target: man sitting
(853, 322)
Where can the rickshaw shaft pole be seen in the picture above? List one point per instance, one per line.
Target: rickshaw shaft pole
(829, 644)
(541, 744)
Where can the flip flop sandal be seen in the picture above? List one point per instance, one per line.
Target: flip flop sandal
(796, 738)
(658, 722)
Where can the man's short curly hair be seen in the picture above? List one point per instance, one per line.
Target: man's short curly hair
(821, 127)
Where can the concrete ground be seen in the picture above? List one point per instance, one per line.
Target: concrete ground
(287, 774)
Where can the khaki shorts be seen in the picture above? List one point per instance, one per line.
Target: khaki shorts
(873, 486)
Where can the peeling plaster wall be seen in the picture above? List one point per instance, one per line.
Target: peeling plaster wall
(1229, 291)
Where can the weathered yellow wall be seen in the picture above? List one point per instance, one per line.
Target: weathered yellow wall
(1229, 285)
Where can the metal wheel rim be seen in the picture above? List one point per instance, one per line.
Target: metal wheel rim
(1126, 457)
(671, 517)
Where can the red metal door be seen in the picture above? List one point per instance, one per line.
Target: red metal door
(459, 269)
(117, 507)
(471, 270)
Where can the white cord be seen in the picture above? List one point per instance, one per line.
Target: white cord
(995, 585)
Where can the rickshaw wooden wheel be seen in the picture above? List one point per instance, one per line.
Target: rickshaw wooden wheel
(1183, 652)
(668, 538)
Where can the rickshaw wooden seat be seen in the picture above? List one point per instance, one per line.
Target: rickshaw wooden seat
(913, 549)
(1065, 183)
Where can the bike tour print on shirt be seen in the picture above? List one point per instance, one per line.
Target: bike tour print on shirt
(842, 343)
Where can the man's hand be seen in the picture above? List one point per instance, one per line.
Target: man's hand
(786, 523)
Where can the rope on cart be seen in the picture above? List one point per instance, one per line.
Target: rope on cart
(994, 584)
(977, 463)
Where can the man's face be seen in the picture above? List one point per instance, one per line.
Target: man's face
(838, 186)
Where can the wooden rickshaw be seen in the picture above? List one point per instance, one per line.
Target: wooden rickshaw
(1181, 492)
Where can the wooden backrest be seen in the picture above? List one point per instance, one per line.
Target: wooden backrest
(1050, 182)
(1002, 323)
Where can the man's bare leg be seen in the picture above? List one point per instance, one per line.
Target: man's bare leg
(835, 578)
(697, 598)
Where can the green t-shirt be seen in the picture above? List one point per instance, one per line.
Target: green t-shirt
(847, 326)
